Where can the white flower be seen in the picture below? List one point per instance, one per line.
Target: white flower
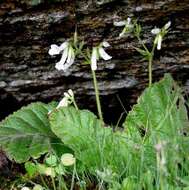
(155, 31)
(159, 41)
(60, 64)
(105, 44)
(103, 54)
(68, 159)
(69, 94)
(167, 25)
(127, 28)
(63, 103)
(98, 52)
(67, 99)
(159, 38)
(119, 23)
(160, 33)
(55, 50)
(129, 21)
(67, 58)
(94, 59)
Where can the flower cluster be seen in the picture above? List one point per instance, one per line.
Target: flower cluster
(99, 52)
(68, 55)
(160, 33)
(128, 26)
(70, 49)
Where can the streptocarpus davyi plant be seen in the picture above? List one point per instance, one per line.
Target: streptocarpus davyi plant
(136, 158)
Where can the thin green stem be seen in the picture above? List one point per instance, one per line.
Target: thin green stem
(74, 103)
(43, 181)
(151, 56)
(53, 182)
(101, 184)
(73, 178)
(95, 86)
(97, 96)
(150, 70)
(62, 184)
(141, 42)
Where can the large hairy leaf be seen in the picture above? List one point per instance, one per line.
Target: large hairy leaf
(96, 146)
(81, 131)
(26, 133)
(73, 126)
(161, 108)
(158, 124)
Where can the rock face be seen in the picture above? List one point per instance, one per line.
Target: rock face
(29, 27)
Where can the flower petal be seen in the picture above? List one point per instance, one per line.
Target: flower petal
(103, 54)
(94, 59)
(167, 25)
(66, 95)
(71, 61)
(155, 31)
(105, 44)
(60, 64)
(63, 46)
(70, 92)
(54, 50)
(159, 40)
(70, 53)
(128, 21)
(120, 23)
(63, 103)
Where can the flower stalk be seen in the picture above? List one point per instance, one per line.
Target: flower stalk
(133, 27)
(97, 96)
(69, 50)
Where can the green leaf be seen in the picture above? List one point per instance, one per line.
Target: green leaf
(60, 169)
(160, 107)
(143, 52)
(51, 160)
(81, 131)
(73, 126)
(26, 133)
(31, 169)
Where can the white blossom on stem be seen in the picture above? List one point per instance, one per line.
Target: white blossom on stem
(160, 33)
(94, 59)
(167, 25)
(68, 55)
(120, 23)
(128, 26)
(67, 99)
(99, 52)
